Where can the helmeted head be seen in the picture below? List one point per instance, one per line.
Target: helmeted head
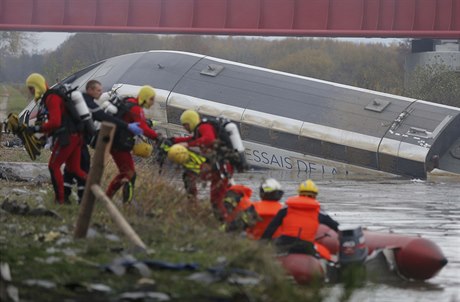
(270, 189)
(178, 154)
(146, 96)
(36, 84)
(190, 119)
(308, 188)
(142, 149)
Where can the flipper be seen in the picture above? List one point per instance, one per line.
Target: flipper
(31, 143)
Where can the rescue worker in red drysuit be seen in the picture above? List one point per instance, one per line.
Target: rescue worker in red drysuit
(204, 137)
(270, 193)
(53, 119)
(299, 223)
(93, 91)
(121, 147)
(237, 201)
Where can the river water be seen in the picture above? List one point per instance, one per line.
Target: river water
(430, 208)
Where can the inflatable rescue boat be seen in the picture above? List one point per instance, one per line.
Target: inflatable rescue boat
(408, 257)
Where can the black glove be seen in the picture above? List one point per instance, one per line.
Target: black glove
(32, 129)
(169, 141)
(149, 123)
(159, 139)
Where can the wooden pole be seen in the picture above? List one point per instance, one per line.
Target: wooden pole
(103, 145)
(1, 133)
(118, 217)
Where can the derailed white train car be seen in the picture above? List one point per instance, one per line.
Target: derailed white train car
(293, 122)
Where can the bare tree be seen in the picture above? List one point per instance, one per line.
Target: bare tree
(437, 83)
(14, 42)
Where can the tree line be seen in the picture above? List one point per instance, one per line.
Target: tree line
(377, 67)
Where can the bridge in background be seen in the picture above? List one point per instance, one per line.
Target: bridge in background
(438, 19)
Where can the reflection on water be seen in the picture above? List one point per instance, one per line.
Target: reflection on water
(430, 209)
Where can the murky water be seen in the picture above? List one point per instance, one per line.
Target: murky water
(413, 207)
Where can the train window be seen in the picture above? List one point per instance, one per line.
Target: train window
(377, 105)
(212, 70)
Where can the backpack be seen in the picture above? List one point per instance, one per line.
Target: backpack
(80, 119)
(228, 147)
(117, 106)
(219, 126)
(124, 139)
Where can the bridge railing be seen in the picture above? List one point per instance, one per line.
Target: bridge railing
(338, 18)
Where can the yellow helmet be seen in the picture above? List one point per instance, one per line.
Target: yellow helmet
(308, 186)
(146, 92)
(178, 154)
(38, 82)
(142, 149)
(190, 117)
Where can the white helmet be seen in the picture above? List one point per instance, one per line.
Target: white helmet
(270, 189)
(270, 185)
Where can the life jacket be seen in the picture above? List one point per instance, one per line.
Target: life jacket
(323, 251)
(301, 220)
(77, 116)
(266, 209)
(236, 200)
(228, 146)
(195, 162)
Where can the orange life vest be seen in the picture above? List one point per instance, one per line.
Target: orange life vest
(266, 209)
(245, 201)
(301, 220)
(323, 251)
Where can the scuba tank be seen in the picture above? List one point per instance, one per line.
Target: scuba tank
(109, 108)
(235, 139)
(80, 105)
(75, 105)
(105, 96)
(234, 136)
(115, 104)
(82, 110)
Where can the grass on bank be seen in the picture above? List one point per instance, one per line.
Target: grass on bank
(174, 231)
(43, 248)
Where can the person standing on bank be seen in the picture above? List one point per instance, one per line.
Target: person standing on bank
(53, 119)
(204, 136)
(93, 92)
(131, 111)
